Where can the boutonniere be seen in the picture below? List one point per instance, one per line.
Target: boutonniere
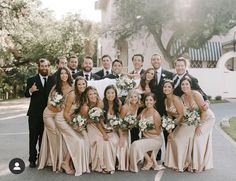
(163, 75)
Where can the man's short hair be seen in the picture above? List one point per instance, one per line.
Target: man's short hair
(42, 60)
(116, 60)
(138, 55)
(60, 58)
(108, 56)
(181, 59)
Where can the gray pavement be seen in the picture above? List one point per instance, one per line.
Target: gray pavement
(14, 143)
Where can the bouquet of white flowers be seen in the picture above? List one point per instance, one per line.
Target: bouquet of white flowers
(114, 122)
(168, 123)
(95, 114)
(57, 100)
(78, 121)
(124, 84)
(129, 122)
(145, 125)
(192, 117)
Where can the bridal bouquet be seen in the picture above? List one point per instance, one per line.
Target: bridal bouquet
(78, 121)
(145, 125)
(57, 100)
(129, 122)
(192, 117)
(95, 114)
(125, 84)
(168, 123)
(115, 122)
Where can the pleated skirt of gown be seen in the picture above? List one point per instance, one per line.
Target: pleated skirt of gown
(75, 143)
(123, 153)
(179, 150)
(49, 152)
(139, 147)
(202, 145)
(103, 153)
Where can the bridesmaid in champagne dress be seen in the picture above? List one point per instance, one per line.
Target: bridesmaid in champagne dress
(49, 149)
(175, 110)
(202, 156)
(147, 147)
(130, 107)
(76, 140)
(101, 143)
(112, 107)
(63, 87)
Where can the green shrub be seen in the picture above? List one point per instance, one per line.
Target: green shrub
(218, 98)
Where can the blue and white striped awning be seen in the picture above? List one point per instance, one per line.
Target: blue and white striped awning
(211, 51)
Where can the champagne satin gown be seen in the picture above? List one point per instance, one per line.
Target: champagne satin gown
(148, 143)
(123, 152)
(103, 153)
(75, 143)
(49, 152)
(202, 145)
(179, 150)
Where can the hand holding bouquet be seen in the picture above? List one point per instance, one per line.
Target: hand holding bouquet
(57, 100)
(129, 122)
(95, 114)
(145, 125)
(78, 122)
(114, 122)
(192, 118)
(124, 84)
(168, 123)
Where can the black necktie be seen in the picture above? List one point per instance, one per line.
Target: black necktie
(107, 72)
(45, 81)
(176, 80)
(86, 76)
(73, 72)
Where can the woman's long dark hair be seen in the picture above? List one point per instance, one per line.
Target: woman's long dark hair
(115, 102)
(58, 87)
(152, 83)
(165, 82)
(79, 96)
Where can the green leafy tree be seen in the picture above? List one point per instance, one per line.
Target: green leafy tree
(190, 23)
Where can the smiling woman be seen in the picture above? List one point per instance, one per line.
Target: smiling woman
(63, 7)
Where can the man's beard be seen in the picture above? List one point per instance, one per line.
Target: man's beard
(43, 73)
(87, 69)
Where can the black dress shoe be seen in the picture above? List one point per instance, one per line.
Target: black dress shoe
(32, 165)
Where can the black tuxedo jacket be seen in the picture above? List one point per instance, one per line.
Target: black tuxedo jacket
(158, 91)
(195, 86)
(92, 76)
(111, 76)
(101, 74)
(39, 98)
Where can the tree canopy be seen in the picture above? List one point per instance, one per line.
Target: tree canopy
(190, 23)
(28, 32)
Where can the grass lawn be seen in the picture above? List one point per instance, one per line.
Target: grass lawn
(231, 131)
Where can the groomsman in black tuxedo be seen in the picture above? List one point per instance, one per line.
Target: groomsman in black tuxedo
(181, 72)
(38, 88)
(117, 67)
(138, 71)
(73, 65)
(86, 72)
(161, 75)
(106, 63)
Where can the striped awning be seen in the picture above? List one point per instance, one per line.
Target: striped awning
(211, 51)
